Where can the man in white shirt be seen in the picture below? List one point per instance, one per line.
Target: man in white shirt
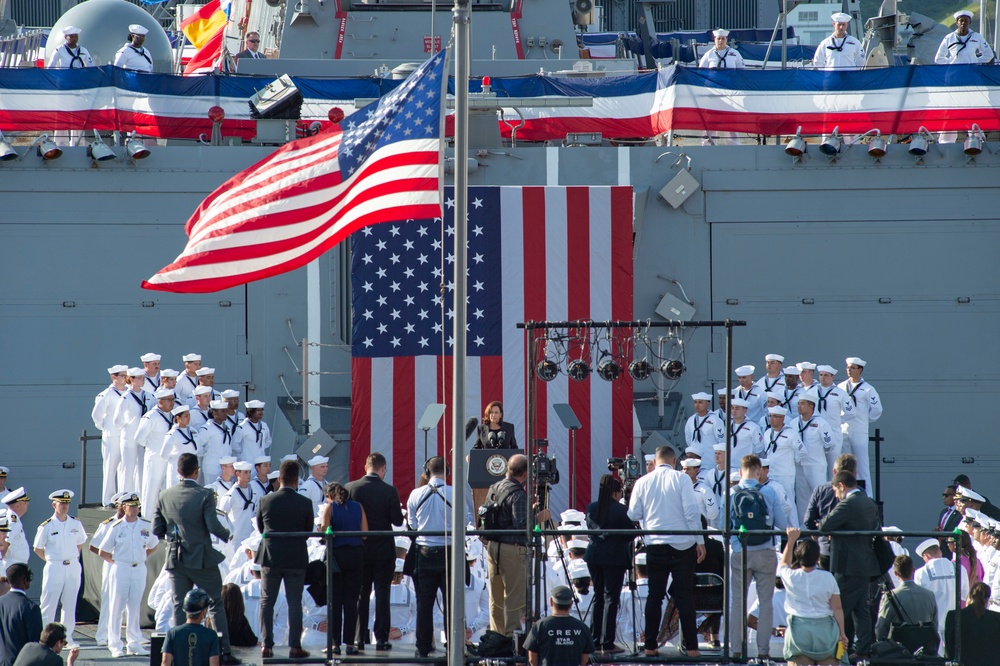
(240, 503)
(132, 406)
(839, 51)
(862, 406)
(938, 576)
(665, 500)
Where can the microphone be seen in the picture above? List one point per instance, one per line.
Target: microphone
(470, 426)
(493, 441)
(501, 436)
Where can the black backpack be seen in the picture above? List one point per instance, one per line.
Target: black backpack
(750, 513)
(492, 514)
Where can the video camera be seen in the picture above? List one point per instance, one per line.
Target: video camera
(627, 467)
(542, 466)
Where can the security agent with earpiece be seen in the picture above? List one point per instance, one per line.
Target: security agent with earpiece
(192, 643)
(20, 617)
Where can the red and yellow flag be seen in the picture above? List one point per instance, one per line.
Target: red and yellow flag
(206, 23)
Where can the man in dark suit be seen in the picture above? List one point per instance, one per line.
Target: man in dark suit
(283, 559)
(252, 49)
(46, 651)
(948, 519)
(185, 518)
(380, 501)
(20, 617)
(852, 559)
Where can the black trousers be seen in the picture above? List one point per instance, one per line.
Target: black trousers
(346, 587)
(857, 614)
(271, 579)
(431, 577)
(210, 580)
(662, 561)
(377, 573)
(607, 598)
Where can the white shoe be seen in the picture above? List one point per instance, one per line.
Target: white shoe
(139, 651)
(102, 644)
(117, 654)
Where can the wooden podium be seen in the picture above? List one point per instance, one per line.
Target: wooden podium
(486, 467)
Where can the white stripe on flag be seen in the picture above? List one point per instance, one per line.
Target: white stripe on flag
(600, 310)
(425, 379)
(381, 426)
(557, 289)
(512, 308)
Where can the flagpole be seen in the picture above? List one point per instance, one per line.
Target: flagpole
(462, 14)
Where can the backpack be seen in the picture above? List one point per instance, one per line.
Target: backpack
(492, 514)
(750, 513)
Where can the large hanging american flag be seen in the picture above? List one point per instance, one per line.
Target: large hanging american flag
(534, 253)
(310, 194)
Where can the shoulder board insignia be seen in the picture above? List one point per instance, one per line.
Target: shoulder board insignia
(108, 520)
(117, 521)
(45, 522)
(144, 520)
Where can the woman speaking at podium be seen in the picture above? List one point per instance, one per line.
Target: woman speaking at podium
(494, 432)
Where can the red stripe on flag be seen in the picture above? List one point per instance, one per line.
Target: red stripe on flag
(444, 391)
(404, 421)
(621, 309)
(361, 415)
(533, 265)
(578, 307)
(490, 382)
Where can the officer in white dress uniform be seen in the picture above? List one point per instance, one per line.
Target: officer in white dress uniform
(705, 495)
(151, 436)
(817, 438)
(773, 379)
(201, 407)
(830, 405)
(70, 55)
(133, 56)
(151, 369)
(701, 431)
(58, 541)
(216, 439)
(252, 433)
(226, 478)
(17, 505)
(103, 416)
(240, 503)
(187, 382)
(314, 486)
(784, 450)
(101, 635)
(180, 439)
(126, 546)
(132, 406)
(744, 436)
(862, 406)
(5, 515)
(964, 46)
(839, 51)
(750, 392)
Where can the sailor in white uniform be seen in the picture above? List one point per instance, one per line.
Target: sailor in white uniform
(103, 416)
(964, 46)
(187, 382)
(631, 613)
(5, 515)
(750, 392)
(785, 498)
(717, 478)
(839, 51)
(773, 379)
(151, 369)
(233, 415)
(128, 413)
(168, 380)
(201, 407)
(127, 544)
(722, 56)
(862, 406)
(101, 635)
(744, 435)
(807, 372)
(701, 431)
(252, 433)
(240, 503)
(133, 55)
(251, 602)
(830, 405)
(938, 576)
(817, 438)
(784, 450)
(206, 377)
(70, 55)
(261, 478)
(706, 497)
(720, 413)
(315, 485)
(216, 439)
(17, 505)
(226, 478)
(181, 438)
(792, 389)
(402, 607)
(151, 436)
(58, 541)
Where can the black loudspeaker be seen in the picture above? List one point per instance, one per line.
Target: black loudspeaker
(156, 648)
(279, 100)
(583, 6)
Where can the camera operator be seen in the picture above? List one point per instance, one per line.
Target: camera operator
(507, 554)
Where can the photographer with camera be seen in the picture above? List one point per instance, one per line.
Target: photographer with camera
(506, 508)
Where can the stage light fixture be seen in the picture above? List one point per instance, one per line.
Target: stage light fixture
(797, 146)
(609, 370)
(974, 142)
(640, 369)
(920, 141)
(7, 152)
(672, 369)
(136, 150)
(578, 370)
(877, 147)
(547, 370)
(98, 150)
(831, 144)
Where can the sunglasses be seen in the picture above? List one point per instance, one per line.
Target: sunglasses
(254, 41)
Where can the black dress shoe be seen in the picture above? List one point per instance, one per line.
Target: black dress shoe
(336, 650)
(230, 660)
(266, 653)
(361, 645)
(351, 650)
(383, 646)
(297, 653)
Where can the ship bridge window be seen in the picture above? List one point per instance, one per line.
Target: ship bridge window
(808, 16)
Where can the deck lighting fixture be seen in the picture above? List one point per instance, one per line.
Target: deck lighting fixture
(609, 370)
(877, 146)
(640, 369)
(135, 149)
(547, 370)
(920, 141)
(831, 144)
(100, 151)
(578, 370)
(7, 152)
(47, 149)
(797, 146)
(672, 369)
(974, 142)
